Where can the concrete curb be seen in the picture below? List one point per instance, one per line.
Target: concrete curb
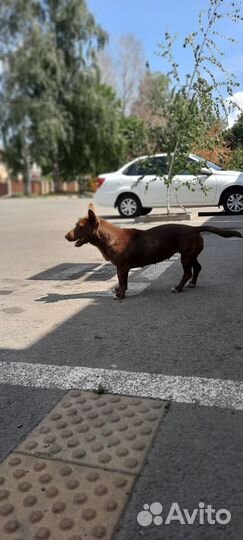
(164, 217)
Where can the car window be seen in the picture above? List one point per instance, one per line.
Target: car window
(189, 170)
(135, 169)
(156, 166)
(186, 172)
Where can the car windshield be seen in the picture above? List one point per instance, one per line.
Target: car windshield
(209, 164)
(213, 166)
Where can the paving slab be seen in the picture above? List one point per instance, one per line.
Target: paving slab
(72, 476)
(106, 430)
(50, 500)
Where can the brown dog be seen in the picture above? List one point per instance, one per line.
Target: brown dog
(133, 248)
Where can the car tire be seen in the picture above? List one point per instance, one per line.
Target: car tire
(145, 211)
(233, 201)
(129, 206)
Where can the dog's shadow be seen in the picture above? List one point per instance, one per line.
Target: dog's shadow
(51, 298)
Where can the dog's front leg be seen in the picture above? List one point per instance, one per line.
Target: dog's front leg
(122, 282)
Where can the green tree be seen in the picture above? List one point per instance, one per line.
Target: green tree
(28, 99)
(96, 117)
(234, 138)
(235, 134)
(196, 100)
(236, 160)
(153, 99)
(135, 135)
(48, 51)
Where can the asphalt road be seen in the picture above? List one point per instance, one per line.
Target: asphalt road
(53, 312)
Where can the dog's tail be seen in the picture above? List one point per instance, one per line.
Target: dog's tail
(226, 233)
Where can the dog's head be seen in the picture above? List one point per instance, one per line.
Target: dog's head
(84, 230)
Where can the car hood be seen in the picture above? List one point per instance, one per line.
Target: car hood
(227, 173)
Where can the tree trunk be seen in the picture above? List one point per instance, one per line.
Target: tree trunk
(168, 198)
(56, 175)
(27, 171)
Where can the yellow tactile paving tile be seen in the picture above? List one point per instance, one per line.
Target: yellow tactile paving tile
(108, 431)
(50, 500)
(71, 478)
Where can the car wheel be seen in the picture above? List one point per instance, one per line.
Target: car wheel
(145, 211)
(233, 201)
(129, 206)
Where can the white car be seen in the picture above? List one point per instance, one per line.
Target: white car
(134, 192)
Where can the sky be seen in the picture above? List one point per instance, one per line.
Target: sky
(148, 20)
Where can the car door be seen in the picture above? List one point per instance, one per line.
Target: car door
(145, 180)
(155, 190)
(194, 190)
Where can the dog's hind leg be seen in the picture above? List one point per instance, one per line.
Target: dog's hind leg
(186, 262)
(196, 265)
(196, 270)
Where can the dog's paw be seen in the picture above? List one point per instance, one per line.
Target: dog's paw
(191, 285)
(120, 295)
(175, 290)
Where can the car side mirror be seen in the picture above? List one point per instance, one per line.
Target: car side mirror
(205, 171)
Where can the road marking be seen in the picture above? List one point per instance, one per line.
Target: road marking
(153, 272)
(226, 221)
(138, 282)
(69, 273)
(135, 286)
(96, 281)
(200, 390)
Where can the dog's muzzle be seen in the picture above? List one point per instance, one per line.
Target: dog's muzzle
(70, 237)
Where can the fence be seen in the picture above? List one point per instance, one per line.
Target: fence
(38, 187)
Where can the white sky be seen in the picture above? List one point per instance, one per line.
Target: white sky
(236, 111)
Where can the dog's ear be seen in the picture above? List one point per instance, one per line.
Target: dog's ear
(92, 217)
(91, 207)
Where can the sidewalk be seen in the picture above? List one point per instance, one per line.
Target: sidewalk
(103, 466)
